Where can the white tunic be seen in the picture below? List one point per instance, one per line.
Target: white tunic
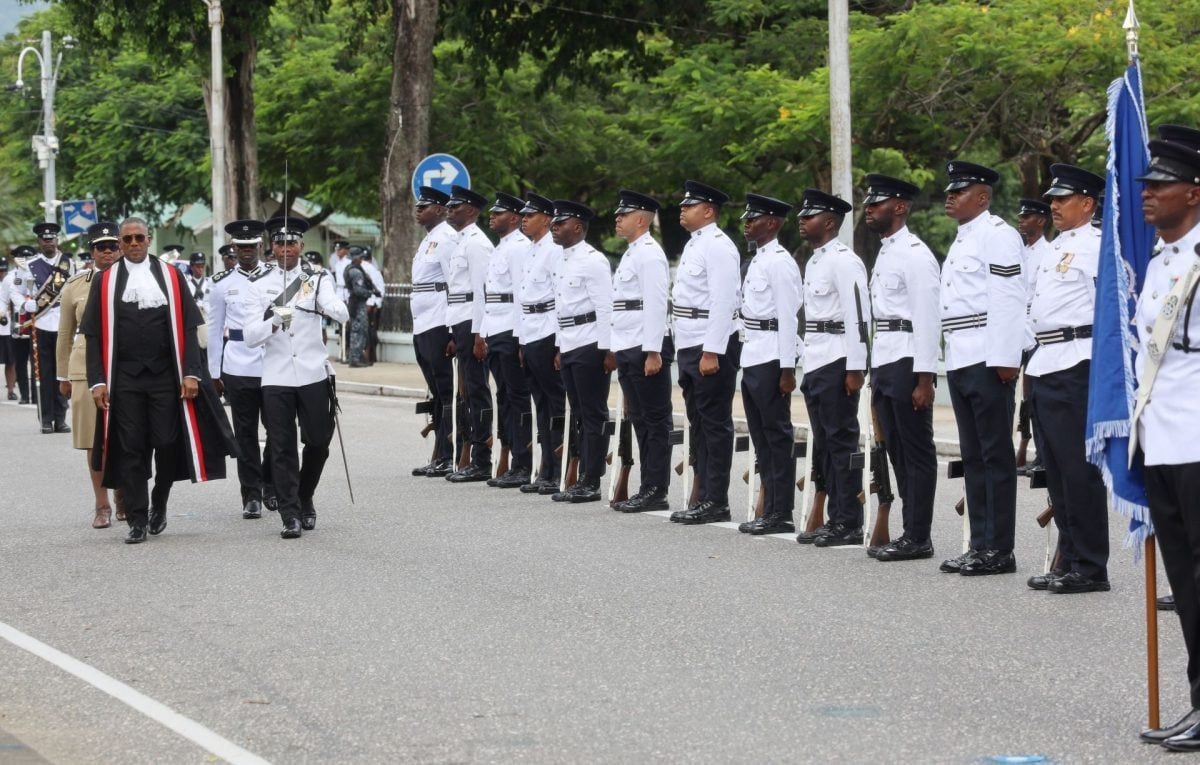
(505, 266)
(1168, 425)
(296, 356)
(583, 286)
(905, 284)
(772, 289)
(227, 319)
(48, 321)
(1065, 296)
(538, 283)
(642, 275)
(708, 278)
(982, 276)
(466, 277)
(834, 274)
(1031, 258)
(430, 265)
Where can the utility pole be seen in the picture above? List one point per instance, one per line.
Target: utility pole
(839, 110)
(216, 128)
(45, 146)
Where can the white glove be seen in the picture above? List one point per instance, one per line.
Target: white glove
(30, 306)
(276, 320)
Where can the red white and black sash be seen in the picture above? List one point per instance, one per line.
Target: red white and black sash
(108, 308)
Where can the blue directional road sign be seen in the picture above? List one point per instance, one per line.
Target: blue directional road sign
(78, 214)
(440, 171)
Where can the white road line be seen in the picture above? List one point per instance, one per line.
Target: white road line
(160, 713)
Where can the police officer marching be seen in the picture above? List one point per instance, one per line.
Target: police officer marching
(772, 294)
(236, 367)
(705, 300)
(643, 348)
(1060, 317)
(983, 310)
(837, 312)
(904, 301)
(49, 264)
(583, 306)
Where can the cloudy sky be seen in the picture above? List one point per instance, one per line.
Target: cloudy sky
(11, 11)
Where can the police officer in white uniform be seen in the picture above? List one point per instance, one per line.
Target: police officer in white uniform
(583, 306)
(235, 367)
(1167, 323)
(643, 348)
(772, 294)
(464, 315)
(196, 279)
(13, 289)
(537, 333)
(1032, 217)
(837, 313)
(431, 336)
(501, 314)
(52, 404)
(284, 316)
(904, 301)
(983, 310)
(1060, 318)
(705, 300)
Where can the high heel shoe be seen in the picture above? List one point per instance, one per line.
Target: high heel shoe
(119, 499)
(101, 521)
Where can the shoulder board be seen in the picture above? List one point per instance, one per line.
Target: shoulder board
(260, 274)
(218, 277)
(307, 268)
(85, 276)
(997, 221)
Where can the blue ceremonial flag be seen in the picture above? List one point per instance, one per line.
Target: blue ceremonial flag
(1125, 248)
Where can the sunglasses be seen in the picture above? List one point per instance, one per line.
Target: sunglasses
(131, 238)
(105, 246)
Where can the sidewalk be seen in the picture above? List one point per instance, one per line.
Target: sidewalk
(405, 381)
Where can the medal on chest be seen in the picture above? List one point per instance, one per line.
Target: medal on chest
(1064, 265)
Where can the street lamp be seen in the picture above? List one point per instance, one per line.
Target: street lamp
(216, 129)
(45, 146)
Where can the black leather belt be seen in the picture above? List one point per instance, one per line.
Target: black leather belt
(893, 325)
(237, 336)
(498, 297)
(546, 307)
(765, 325)
(1064, 335)
(575, 321)
(460, 297)
(627, 305)
(686, 312)
(429, 287)
(830, 327)
(964, 322)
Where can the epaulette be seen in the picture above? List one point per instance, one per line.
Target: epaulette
(307, 268)
(84, 275)
(997, 221)
(266, 269)
(218, 277)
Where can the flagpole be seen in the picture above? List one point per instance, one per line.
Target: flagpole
(1131, 26)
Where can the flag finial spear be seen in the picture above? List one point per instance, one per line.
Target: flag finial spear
(1131, 27)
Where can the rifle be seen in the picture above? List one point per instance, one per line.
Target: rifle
(686, 438)
(743, 444)
(1024, 427)
(955, 469)
(814, 516)
(620, 491)
(881, 486)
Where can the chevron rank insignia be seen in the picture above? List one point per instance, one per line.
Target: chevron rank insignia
(1005, 271)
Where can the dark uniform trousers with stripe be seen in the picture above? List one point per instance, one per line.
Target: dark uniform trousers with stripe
(296, 475)
(549, 396)
(648, 400)
(430, 347)
(472, 373)
(512, 397)
(834, 419)
(709, 401)
(1076, 489)
(244, 395)
(587, 387)
(983, 409)
(908, 438)
(769, 418)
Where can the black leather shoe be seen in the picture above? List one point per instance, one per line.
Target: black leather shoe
(653, 498)
(808, 537)
(137, 535)
(422, 471)
(470, 474)
(620, 504)
(1159, 735)
(954, 565)
(157, 521)
(839, 535)
(439, 469)
(1166, 603)
(990, 562)
(252, 509)
(513, 479)
(271, 501)
(308, 515)
(47, 429)
(905, 549)
(24, 401)
(549, 487)
(534, 485)
(1042, 581)
(1076, 582)
(768, 524)
(705, 512)
(62, 427)
(291, 529)
(677, 516)
(1188, 741)
(565, 494)
(585, 493)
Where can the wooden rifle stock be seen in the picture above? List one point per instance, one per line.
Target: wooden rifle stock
(502, 463)
(960, 506)
(572, 471)
(816, 519)
(1044, 517)
(621, 490)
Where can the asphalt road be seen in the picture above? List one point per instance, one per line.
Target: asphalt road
(435, 623)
